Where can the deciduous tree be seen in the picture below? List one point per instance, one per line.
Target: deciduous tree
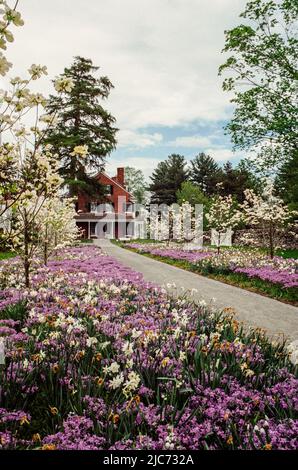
(262, 73)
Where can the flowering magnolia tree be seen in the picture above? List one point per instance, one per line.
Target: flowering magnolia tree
(222, 216)
(267, 212)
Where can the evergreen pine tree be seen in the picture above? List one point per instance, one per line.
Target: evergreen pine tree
(82, 121)
(236, 180)
(206, 173)
(167, 179)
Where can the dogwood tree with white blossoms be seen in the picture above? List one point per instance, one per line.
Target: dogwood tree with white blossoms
(8, 16)
(80, 151)
(24, 161)
(42, 224)
(175, 222)
(222, 216)
(27, 232)
(57, 226)
(267, 212)
(64, 85)
(23, 164)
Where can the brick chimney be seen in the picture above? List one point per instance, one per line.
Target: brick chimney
(120, 176)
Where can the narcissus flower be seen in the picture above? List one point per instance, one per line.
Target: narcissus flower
(24, 420)
(53, 410)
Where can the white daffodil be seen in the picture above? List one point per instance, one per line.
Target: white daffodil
(117, 381)
(90, 341)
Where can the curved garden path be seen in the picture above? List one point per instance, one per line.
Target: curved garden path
(253, 309)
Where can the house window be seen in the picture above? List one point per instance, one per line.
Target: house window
(128, 207)
(92, 229)
(109, 189)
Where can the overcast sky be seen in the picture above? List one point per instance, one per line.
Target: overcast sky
(162, 57)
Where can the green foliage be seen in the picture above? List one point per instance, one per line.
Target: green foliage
(135, 183)
(167, 179)
(263, 76)
(236, 180)
(286, 182)
(191, 193)
(287, 253)
(206, 173)
(16, 312)
(6, 255)
(82, 120)
(212, 179)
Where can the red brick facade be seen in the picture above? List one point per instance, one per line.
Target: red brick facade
(119, 198)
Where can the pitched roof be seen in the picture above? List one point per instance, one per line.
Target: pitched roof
(115, 182)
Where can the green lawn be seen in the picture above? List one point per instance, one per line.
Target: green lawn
(6, 255)
(288, 253)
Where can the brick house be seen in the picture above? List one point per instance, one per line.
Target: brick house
(114, 218)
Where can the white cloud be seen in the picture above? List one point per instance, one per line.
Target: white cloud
(134, 139)
(161, 55)
(221, 154)
(191, 141)
(147, 165)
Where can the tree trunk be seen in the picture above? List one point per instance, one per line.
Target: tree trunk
(271, 243)
(45, 254)
(26, 253)
(45, 248)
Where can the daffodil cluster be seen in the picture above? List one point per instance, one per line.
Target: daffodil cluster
(96, 358)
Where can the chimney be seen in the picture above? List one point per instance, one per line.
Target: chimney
(120, 176)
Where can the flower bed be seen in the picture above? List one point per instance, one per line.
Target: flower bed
(174, 253)
(98, 359)
(254, 265)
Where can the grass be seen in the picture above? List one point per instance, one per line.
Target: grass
(288, 253)
(7, 254)
(142, 241)
(256, 285)
(284, 253)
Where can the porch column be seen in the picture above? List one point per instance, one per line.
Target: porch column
(88, 230)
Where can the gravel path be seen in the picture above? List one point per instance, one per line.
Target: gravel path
(253, 309)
